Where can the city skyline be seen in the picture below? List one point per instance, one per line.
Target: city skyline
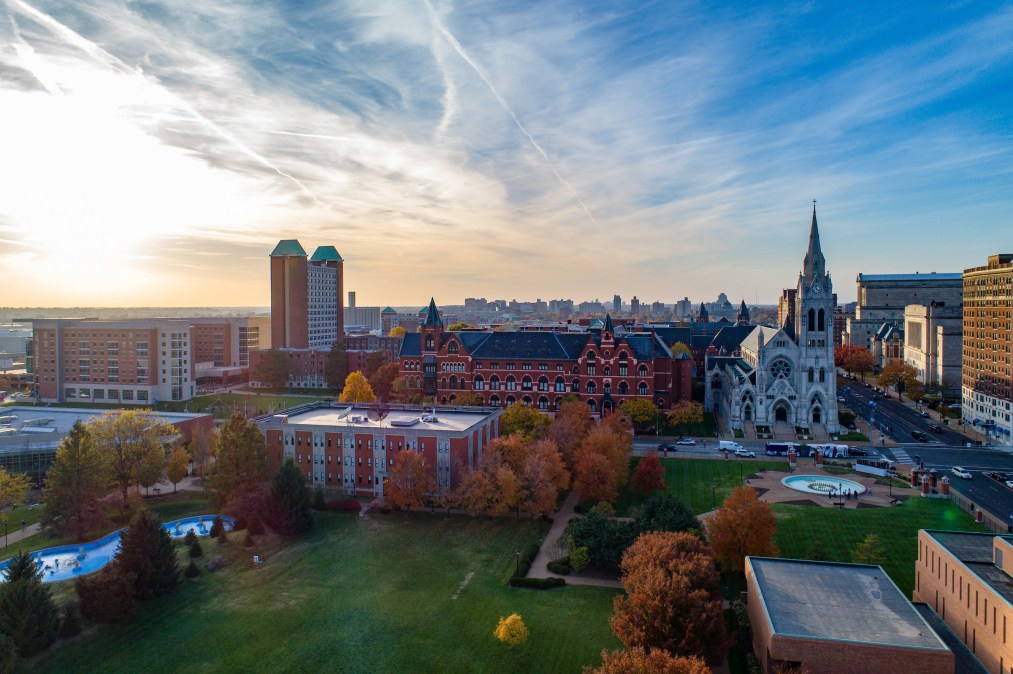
(154, 154)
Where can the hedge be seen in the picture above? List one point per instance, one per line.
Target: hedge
(537, 583)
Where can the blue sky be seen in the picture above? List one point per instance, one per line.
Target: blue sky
(152, 153)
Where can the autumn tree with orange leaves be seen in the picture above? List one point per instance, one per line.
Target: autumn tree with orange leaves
(408, 482)
(649, 476)
(568, 429)
(673, 597)
(743, 526)
(601, 462)
(491, 487)
(641, 661)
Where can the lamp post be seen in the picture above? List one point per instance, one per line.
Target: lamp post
(714, 498)
(517, 565)
(840, 493)
(741, 461)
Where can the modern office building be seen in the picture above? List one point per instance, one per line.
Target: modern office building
(882, 298)
(967, 579)
(987, 381)
(352, 447)
(306, 296)
(828, 618)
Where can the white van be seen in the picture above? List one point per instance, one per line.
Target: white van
(728, 445)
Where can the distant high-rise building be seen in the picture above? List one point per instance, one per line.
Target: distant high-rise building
(684, 308)
(351, 299)
(617, 303)
(306, 296)
(658, 308)
(634, 305)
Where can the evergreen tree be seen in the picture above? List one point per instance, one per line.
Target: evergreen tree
(22, 567)
(289, 503)
(147, 553)
(70, 623)
(196, 550)
(75, 483)
(192, 571)
(28, 615)
(191, 537)
(107, 596)
(664, 511)
(216, 527)
(241, 460)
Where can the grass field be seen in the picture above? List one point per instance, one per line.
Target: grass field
(691, 480)
(223, 405)
(387, 593)
(839, 531)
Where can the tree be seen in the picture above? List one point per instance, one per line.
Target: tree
(404, 390)
(241, 460)
(382, 381)
(640, 661)
(490, 487)
(28, 616)
(869, 551)
(686, 413)
(856, 359)
(641, 412)
(13, 488)
(601, 463)
(374, 361)
(605, 539)
(511, 630)
(408, 482)
(673, 597)
(523, 419)
(469, 398)
(666, 512)
(202, 450)
(593, 477)
(649, 476)
(744, 525)
(901, 376)
(460, 325)
(569, 428)
(178, 463)
(107, 596)
(336, 366)
(75, 484)
(542, 475)
(129, 440)
(357, 389)
(397, 332)
(273, 369)
(149, 471)
(680, 348)
(289, 501)
(148, 556)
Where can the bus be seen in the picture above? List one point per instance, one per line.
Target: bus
(781, 448)
(880, 467)
(832, 451)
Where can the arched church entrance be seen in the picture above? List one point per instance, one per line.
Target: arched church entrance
(781, 411)
(817, 415)
(747, 413)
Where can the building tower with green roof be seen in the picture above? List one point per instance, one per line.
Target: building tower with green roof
(306, 296)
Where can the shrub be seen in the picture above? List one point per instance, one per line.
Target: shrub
(560, 566)
(107, 596)
(537, 583)
(248, 541)
(196, 550)
(190, 538)
(318, 499)
(192, 571)
(344, 505)
(216, 527)
(217, 563)
(70, 623)
(579, 557)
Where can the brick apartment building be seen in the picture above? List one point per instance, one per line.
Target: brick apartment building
(307, 367)
(967, 579)
(351, 449)
(306, 296)
(603, 367)
(987, 363)
(137, 361)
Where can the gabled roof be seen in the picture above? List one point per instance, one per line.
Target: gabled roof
(433, 319)
(529, 345)
(751, 342)
(730, 336)
(388, 310)
(325, 254)
(288, 247)
(674, 335)
(411, 345)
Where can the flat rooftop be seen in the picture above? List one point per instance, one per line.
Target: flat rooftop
(975, 551)
(62, 418)
(365, 418)
(928, 276)
(841, 602)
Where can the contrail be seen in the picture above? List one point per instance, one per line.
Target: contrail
(506, 107)
(107, 59)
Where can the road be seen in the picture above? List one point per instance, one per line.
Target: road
(895, 418)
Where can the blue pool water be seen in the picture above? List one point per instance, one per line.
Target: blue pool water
(70, 561)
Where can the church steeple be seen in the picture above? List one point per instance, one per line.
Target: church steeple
(814, 264)
(742, 318)
(433, 319)
(703, 316)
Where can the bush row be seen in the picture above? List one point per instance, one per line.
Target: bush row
(560, 566)
(537, 583)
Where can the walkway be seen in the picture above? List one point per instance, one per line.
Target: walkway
(552, 548)
(16, 535)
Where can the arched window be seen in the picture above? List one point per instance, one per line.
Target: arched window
(575, 386)
(812, 320)
(623, 357)
(606, 388)
(810, 375)
(543, 403)
(511, 383)
(823, 375)
(526, 401)
(526, 383)
(573, 370)
(453, 382)
(592, 406)
(443, 383)
(560, 384)
(820, 321)
(642, 371)
(494, 382)
(430, 343)
(557, 403)
(479, 383)
(624, 388)
(591, 388)
(510, 400)
(590, 356)
(642, 388)
(606, 371)
(716, 382)
(452, 348)
(543, 383)
(494, 401)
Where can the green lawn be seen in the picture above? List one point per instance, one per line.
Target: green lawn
(841, 530)
(691, 480)
(388, 593)
(222, 405)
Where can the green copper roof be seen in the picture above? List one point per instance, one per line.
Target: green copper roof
(288, 247)
(325, 254)
(388, 310)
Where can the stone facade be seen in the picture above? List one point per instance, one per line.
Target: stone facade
(883, 297)
(932, 345)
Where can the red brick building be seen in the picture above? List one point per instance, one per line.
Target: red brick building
(603, 367)
(351, 448)
(306, 296)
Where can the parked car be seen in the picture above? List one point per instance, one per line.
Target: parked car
(746, 453)
(936, 428)
(868, 385)
(925, 415)
(960, 472)
(876, 396)
(954, 406)
(666, 447)
(919, 436)
(685, 441)
(858, 451)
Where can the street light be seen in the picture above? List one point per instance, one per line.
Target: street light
(840, 493)
(517, 567)
(741, 461)
(714, 499)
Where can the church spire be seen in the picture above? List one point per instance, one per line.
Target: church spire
(814, 263)
(742, 318)
(433, 319)
(608, 323)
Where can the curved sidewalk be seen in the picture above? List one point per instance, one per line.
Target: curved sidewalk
(548, 551)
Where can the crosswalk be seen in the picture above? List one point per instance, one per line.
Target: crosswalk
(900, 456)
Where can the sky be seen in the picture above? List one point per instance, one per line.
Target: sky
(153, 153)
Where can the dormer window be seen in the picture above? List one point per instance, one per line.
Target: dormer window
(430, 343)
(452, 348)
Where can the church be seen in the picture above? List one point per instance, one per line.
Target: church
(783, 376)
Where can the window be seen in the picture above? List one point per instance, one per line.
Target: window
(623, 388)
(452, 348)
(624, 370)
(543, 383)
(479, 383)
(642, 388)
(642, 371)
(511, 383)
(526, 383)
(590, 369)
(591, 388)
